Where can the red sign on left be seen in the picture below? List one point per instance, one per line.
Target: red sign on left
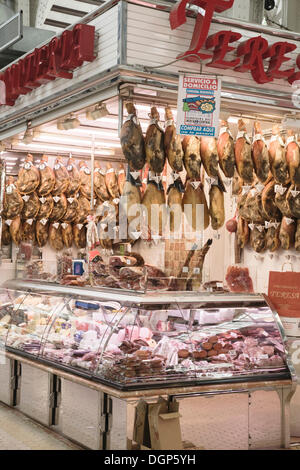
(57, 59)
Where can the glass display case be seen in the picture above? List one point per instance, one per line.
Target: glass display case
(132, 341)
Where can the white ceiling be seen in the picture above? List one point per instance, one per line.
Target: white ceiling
(59, 14)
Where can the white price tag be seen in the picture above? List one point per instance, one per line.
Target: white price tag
(295, 193)
(116, 200)
(57, 166)
(8, 222)
(43, 200)
(289, 221)
(42, 166)
(26, 198)
(27, 165)
(168, 123)
(135, 174)
(196, 270)
(79, 226)
(56, 199)
(64, 225)
(185, 269)
(251, 226)
(44, 221)
(121, 172)
(70, 200)
(260, 228)
(87, 171)
(279, 189)
(110, 170)
(195, 184)
(246, 189)
(56, 225)
(70, 167)
(29, 221)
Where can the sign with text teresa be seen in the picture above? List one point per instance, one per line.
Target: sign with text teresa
(198, 108)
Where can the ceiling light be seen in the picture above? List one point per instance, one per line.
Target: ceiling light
(70, 122)
(28, 136)
(98, 112)
(66, 148)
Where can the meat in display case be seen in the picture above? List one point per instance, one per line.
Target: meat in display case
(134, 341)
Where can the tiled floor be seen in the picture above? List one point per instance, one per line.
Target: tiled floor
(17, 432)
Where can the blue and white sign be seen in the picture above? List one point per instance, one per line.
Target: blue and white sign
(198, 108)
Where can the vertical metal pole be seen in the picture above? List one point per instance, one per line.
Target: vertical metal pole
(92, 171)
(2, 189)
(121, 115)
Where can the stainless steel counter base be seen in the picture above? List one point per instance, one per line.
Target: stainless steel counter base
(229, 416)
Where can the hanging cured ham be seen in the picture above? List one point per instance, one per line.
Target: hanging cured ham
(175, 192)
(47, 177)
(293, 201)
(282, 202)
(85, 180)
(293, 157)
(132, 140)
(28, 231)
(6, 237)
(195, 206)
(55, 236)
(74, 178)
(71, 211)
(99, 183)
(192, 157)
(260, 154)
(67, 234)
(15, 230)
(272, 238)
(287, 233)
(79, 235)
(111, 181)
(243, 156)
(42, 232)
(173, 145)
(277, 153)
(46, 207)
(83, 210)
(13, 202)
(31, 206)
(243, 234)
(121, 179)
(270, 210)
(297, 237)
(216, 207)
(237, 184)
(226, 150)
(129, 202)
(59, 208)
(258, 239)
(29, 177)
(154, 203)
(209, 156)
(154, 144)
(250, 206)
(62, 179)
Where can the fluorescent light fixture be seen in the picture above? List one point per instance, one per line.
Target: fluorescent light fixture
(67, 140)
(66, 148)
(70, 122)
(13, 159)
(291, 122)
(98, 112)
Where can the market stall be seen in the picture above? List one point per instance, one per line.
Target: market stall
(106, 312)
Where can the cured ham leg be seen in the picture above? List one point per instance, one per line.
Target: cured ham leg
(243, 156)
(260, 154)
(287, 233)
(132, 140)
(193, 200)
(111, 181)
(192, 158)
(154, 144)
(216, 208)
(173, 145)
(29, 177)
(293, 158)
(47, 178)
(209, 156)
(277, 153)
(226, 150)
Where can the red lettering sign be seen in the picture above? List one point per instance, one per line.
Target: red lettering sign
(54, 60)
(250, 56)
(277, 53)
(202, 26)
(220, 41)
